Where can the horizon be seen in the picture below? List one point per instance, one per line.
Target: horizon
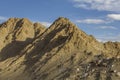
(96, 17)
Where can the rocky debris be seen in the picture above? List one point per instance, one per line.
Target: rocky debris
(118, 73)
(98, 67)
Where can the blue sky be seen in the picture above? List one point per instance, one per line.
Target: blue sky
(100, 18)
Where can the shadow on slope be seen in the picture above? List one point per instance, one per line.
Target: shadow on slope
(13, 49)
(44, 46)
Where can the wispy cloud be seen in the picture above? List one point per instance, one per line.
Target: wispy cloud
(107, 27)
(107, 19)
(106, 5)
(114, 16)
(3, 18)
(47, 24)
(44, 23)
(91, 21)
(105, 38)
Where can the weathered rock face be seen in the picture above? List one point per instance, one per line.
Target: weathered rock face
(60, 52)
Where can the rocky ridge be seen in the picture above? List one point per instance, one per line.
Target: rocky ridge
(29, 51)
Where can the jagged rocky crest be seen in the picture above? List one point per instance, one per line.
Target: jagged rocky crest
(29, 51)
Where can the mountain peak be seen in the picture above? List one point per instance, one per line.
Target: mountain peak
(29, 51)
(67, 34)
(63, 23)
(19, 29)
(18, 22)
(12, 20)
(62, 20)
(25, 20)
(15, 19)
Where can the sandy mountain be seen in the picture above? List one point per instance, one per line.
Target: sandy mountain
(16, 29)
(60, 52)
(17, 33)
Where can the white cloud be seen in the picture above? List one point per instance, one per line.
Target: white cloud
(114, 16)
(47, 24)
(3, 18)
(107, 27)
(106, 5)
(108, 37)
(91, 21)
(105, 38)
